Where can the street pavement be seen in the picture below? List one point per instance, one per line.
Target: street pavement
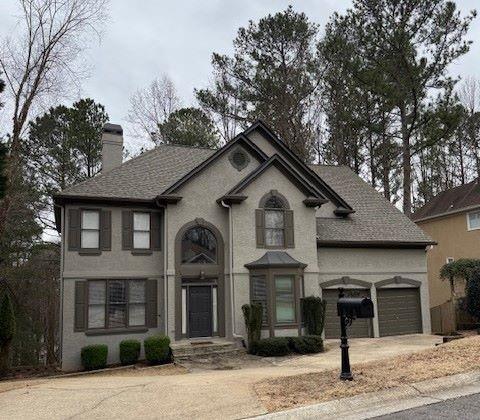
(461, 408)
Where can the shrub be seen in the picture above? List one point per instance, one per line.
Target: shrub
(129, 352)
(94, 356)
(313, 314)
(306, 344)
(7, 331)
(269, 347)
(157, 349)
(472, 300)
(253, 315)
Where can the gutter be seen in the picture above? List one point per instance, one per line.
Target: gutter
(165, 263)
(230, 269)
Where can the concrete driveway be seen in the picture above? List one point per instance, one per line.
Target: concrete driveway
(202, 393)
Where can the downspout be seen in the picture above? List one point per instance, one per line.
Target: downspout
(165, 262)
(230, 269)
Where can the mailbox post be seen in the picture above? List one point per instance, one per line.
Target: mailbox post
(349, 309)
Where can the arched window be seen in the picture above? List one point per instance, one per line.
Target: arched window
(199, 246)
(274, 222)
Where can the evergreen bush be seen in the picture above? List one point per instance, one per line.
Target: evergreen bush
(129, 352)
(157, 349)
(94, 356)
(253, 315)
(313, 314)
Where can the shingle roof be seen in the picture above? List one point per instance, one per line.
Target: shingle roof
(375, 219)
(451, 201)
(143, 177)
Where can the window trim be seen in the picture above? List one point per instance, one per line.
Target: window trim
(469, 228)
(283, 229)
(142, 250)
(294, 294)
(109, 330)
(449, 260)
(90, 251)
(192, 264)
(270, 273)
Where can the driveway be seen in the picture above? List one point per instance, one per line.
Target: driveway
(203, 393)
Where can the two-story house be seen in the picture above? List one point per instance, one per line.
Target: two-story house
(452, 220)
(176, 240)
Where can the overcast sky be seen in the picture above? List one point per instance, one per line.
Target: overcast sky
(146, 38)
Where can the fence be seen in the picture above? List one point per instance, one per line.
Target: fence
(443, 318)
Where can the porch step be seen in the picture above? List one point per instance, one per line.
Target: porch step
(189, 350)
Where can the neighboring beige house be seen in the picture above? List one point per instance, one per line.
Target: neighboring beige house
(452, 219)
(176, 240)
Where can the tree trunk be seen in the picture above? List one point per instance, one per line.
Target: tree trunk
(406, 162)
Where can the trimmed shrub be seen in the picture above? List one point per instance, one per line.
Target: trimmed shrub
(313, 314)
(306, 344)
(129, 352)
(94, 356)
(253, 315)
(472, 300)
(7, 331)
(157, 349)
(270, 347)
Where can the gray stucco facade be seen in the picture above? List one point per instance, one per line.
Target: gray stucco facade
(201, 200)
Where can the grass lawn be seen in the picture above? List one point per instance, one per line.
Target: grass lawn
(447, 359)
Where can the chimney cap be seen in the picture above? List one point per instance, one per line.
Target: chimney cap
(113, 128)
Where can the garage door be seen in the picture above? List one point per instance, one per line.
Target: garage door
(359, 328)
(399, 311)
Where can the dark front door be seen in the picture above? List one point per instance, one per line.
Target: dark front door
(200, 311)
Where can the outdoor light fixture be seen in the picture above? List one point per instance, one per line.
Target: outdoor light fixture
(348, 309)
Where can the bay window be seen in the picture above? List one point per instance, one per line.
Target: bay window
(284, 299)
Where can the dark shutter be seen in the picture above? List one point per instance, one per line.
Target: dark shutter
(74, 226)
(156, 231)
(151, 306)
(289, 235)
(260, 227)
(259, 294)
(106, 230)
(127, 229)
(80, 318)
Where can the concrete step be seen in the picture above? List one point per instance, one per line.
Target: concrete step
(183, 351)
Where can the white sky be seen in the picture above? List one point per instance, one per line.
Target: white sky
(145, 38)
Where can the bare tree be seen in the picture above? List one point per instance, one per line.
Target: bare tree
(42, 59)
(151, 106)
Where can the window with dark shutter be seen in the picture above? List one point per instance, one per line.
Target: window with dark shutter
(259, 293)
(274, 222)
(127, 229)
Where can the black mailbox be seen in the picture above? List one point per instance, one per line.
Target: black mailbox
(354, 307)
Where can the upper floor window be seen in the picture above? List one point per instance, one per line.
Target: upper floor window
(473, 220)
(90, 230)
(141, 230)
(274, 222)
(199, 246)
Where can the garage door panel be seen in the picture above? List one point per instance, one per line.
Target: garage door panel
(360, 327)
(399, 311)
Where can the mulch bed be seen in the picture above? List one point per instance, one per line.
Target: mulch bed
(448, 359)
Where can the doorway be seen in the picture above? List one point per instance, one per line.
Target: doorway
(200, 305)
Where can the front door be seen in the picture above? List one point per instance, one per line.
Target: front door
(199, 311)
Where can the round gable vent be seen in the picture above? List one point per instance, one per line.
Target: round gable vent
(239, 158)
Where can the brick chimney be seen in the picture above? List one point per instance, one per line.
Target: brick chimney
(112, 146)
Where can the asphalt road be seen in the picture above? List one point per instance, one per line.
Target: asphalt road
(458, 408)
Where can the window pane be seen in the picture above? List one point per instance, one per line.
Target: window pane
(96, 292)
(116, 316)
(274, 237)
(141, 240)
(136, 292)
(274, 202)
(141, 221)
(96, 316)
(90, 239)
(474, 219)
(136, 314)
(284, 299)
(274, 219)
(199, 246)
(90, 219)
(116, 292)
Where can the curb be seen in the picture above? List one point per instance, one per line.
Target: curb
(404, 397)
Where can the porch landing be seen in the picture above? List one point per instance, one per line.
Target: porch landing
(202, 347)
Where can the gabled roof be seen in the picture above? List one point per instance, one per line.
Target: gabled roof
(165, 165)
(330, 193)
(376, 222)
(240, 139)
(454, 200)
(280, 163)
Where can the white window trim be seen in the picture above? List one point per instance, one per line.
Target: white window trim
(82, 229)
(449, 260)
(142, 231)
(468, 220)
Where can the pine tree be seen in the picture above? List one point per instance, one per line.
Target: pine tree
(7, 331)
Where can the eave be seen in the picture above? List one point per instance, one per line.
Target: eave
(374, 244)
(231, 199)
